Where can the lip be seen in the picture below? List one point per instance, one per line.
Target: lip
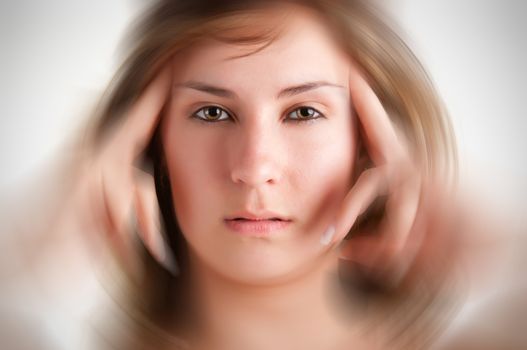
(259, 216)
(256, 228)
(257, 224)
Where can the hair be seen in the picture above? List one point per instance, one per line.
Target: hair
(392, 70)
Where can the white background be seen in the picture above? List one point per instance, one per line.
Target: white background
(58, 55)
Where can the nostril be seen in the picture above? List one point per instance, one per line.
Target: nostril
(256, 172)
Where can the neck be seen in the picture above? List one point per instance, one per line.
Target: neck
(297, 313)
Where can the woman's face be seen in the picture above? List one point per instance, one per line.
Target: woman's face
(269, 132)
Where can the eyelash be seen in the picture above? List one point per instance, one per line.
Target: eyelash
(222, 110)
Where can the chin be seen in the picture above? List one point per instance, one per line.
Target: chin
(263, 269)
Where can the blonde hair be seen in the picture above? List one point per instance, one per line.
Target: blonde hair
(394, 73)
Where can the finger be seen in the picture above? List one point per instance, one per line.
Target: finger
(401, 211)
(115, 162)
(432, 250)
(381, 137)
(145, 209)
(143, 116)
(149, 223)
(392, 249)
(396, 241)
(117, 191)
(370, 184)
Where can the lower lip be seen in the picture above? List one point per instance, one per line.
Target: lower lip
(256, 227)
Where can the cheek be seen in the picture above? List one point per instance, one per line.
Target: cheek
(326, 157)
(194, 169)
(325, 171)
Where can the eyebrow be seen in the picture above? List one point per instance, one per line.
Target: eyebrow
(287, 92)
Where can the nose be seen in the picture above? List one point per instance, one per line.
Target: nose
(256, 156)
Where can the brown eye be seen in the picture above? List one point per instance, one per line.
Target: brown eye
(304, 113)
(212, 114)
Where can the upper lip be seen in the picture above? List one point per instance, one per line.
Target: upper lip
(261, 215)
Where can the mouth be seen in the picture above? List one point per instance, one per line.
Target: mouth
(256, 224)
(259, 216)
(260, 219)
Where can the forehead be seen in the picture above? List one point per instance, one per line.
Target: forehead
(302, 48)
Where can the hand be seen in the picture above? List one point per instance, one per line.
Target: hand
(409, 237)
(113, 195)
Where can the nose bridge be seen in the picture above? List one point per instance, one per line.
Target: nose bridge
(255, 153)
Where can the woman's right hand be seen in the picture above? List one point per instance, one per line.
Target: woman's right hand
(113, 196)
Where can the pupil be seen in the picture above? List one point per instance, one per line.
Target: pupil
(305, 111)
(213, 111)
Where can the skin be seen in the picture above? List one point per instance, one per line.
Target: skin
(267, 290)
(258, 157)
(264, 291)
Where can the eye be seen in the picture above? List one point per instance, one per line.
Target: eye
(211, 114)
(304, 113)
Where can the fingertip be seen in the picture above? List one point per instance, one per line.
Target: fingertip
(327, 236)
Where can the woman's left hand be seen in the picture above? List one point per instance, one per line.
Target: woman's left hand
(415, 230)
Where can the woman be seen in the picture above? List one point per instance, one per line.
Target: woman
(274, 130)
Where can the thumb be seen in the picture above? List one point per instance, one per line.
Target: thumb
(150, 228)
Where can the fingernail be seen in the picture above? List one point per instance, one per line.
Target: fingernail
(168, 259)
(170, 263)
(328, 235)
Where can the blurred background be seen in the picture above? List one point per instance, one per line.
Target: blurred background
(57, 57)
